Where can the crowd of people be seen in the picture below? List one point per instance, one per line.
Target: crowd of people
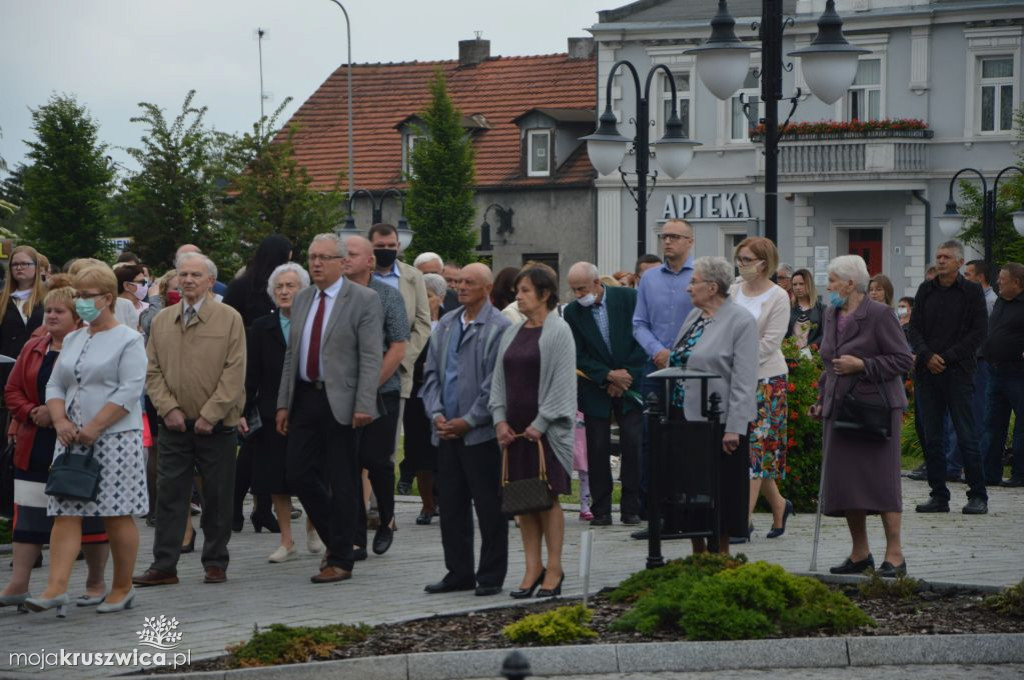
(299, 382)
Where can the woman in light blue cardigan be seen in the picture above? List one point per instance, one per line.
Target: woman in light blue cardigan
(720, 337)
(533, 399)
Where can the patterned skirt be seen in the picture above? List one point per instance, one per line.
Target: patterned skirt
(768, 431)
(122, 488)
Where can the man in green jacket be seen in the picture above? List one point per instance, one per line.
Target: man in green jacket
(610, 362)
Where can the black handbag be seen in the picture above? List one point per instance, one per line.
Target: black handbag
(74, 477)
(862, 419)
(525, 496)
(7, 481)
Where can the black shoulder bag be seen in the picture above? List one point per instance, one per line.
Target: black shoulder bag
(862, 419)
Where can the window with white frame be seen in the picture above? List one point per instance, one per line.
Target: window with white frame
(750, 93)
(538, 153)
(683, 98)
(411, 139)
(995, 95)
(864, 98)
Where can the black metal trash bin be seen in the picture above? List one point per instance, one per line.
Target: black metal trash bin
(683, 463)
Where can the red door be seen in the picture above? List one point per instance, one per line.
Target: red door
(868, 244)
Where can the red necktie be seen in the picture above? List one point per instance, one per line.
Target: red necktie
(313, 355)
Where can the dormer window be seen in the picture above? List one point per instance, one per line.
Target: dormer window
(411, 139)
(538, 143)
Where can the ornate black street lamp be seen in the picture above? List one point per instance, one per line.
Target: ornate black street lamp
(607, 148)
(951, 222)
(377, 205)
(504, 215)
(829, 65)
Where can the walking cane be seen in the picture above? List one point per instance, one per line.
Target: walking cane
(817, 516)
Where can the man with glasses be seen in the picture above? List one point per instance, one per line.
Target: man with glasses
(332, 369)
(662, 304)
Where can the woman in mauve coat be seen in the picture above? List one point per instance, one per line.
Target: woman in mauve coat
(865, 354)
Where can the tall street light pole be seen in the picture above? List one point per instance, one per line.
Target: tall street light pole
(351, 159)
(607, 148)
(829, 65)
(951, 222)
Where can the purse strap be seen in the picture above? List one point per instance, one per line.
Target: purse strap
(878, 388)
(540, 457)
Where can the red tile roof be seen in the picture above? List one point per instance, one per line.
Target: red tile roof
(500, 88)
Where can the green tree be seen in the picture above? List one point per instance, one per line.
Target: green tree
(172, 198)
(271, 193)
(67, 184)
(1007, 244)
(439, 203)
(12, 200)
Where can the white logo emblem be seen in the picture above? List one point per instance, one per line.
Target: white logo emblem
(159, 632)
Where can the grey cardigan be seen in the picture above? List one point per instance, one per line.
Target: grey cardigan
(556, 413)
(728, 348)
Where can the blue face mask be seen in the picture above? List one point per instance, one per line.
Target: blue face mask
(836, 300)
(87, 310)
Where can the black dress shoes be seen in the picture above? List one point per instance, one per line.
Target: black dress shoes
(484, 591)
(1012, 482)
(358, 554)
(850, 567)
(601, 521)
(887, 570)
(631, 520)
(424, 518)
(976, 506)
(382, 539)
(443, 586)
(933, 505)
(920, 474)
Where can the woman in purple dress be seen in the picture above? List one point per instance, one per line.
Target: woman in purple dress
(865, 354)
(533, 399)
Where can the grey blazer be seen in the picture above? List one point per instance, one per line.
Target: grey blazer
(350, 351)
(728, 347)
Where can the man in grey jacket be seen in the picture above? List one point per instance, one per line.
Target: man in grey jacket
(456, 390)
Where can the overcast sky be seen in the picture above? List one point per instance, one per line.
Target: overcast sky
(113, 54)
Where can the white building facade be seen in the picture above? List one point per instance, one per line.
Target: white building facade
(956, 65)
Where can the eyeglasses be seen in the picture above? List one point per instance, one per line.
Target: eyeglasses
(143, 282)
(324, 258)
(87, 296)
(672, 238)
(22, 265)
(747, 260)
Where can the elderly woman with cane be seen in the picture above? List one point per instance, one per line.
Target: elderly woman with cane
(865, 357)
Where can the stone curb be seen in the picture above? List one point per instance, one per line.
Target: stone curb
(654, 657)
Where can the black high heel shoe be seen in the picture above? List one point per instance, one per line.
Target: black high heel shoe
(775, 532)
(523, 593)
(261, 520)
(553, 592)
(238, 523)
(737, 540)
(190, 546)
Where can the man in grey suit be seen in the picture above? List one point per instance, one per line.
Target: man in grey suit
(328, 389)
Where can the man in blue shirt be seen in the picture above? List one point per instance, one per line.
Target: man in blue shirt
(661, 306)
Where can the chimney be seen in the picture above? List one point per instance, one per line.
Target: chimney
(581, 48)
(472, 52)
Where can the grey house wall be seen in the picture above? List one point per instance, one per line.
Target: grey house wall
(926, 56)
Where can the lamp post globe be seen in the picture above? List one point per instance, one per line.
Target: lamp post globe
(674, 152)
(951, 222)
(1018, 221)
(829, 63)
(723, 60)
(606, 147)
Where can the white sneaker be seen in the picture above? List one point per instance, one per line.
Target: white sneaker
(313, 542)
(283, 554)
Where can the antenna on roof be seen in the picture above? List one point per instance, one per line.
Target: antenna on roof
(478, 34)
(260, 34)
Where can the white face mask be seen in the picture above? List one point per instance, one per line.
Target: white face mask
(587, 300)
(902, 312)
(751, 271)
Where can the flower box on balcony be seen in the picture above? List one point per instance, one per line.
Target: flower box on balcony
(855, 129)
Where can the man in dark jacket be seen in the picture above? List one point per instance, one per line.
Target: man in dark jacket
(612, 362)
(948, 325)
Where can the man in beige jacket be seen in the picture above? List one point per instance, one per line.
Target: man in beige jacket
(196, 380)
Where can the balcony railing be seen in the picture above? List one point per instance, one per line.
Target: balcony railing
(823, 157)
